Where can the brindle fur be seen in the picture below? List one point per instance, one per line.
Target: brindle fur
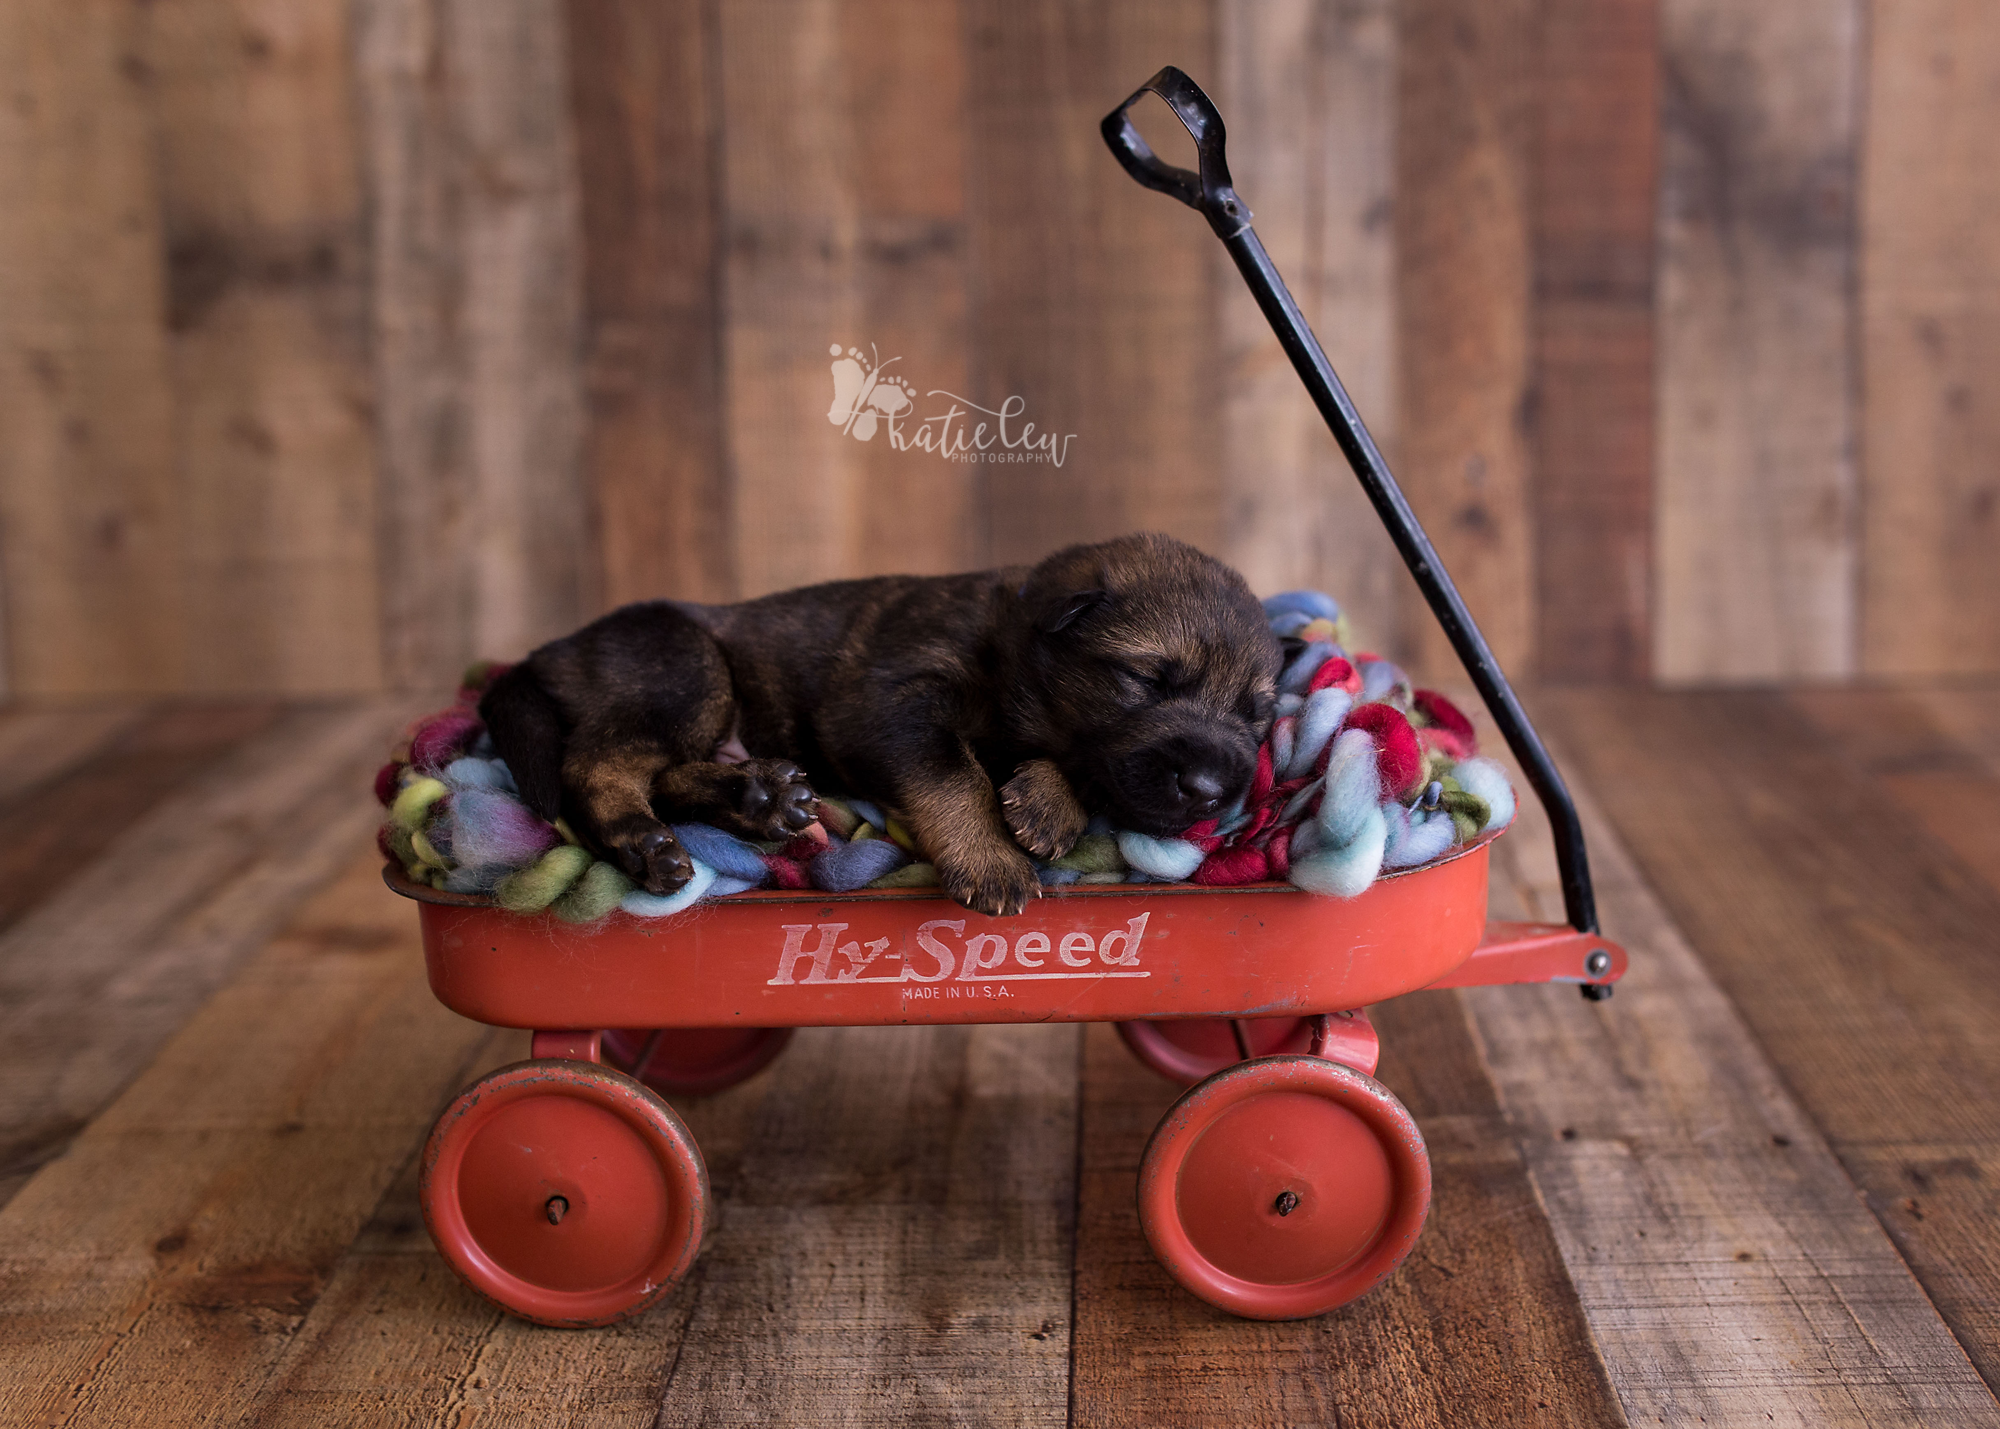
(1135, 678)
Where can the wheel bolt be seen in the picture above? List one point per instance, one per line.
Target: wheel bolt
(557, 1208)
(1287, 1202)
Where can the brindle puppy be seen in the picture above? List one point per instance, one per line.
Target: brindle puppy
(997, 711)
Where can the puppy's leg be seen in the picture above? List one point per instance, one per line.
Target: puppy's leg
(610, 790)
(758, 799)
(956, 818)
(642, 692)
(1042, 810)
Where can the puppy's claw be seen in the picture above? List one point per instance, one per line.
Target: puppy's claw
(999, 887)
(1041, 812)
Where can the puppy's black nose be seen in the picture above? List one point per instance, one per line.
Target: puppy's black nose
(1202, 791)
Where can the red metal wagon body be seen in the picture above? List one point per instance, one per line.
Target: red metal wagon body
(566, 1189)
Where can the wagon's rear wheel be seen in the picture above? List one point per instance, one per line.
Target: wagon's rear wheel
(1185, 1050)
(694, 1061)
(564, 1192)
(1284, 1187)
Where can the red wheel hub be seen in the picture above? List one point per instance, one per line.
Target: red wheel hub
(1284, 1187)
(565, 1192)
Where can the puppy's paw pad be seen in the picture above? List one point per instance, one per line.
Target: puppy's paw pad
(1042, 814)
(1000, 886)
(775, 801)
(650, 855)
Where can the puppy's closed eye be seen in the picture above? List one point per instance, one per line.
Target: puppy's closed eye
(1137, 687)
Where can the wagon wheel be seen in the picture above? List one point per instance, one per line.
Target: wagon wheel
(1284, 1187)
(564, 1192)
(1185, 1050)
(694, 1061)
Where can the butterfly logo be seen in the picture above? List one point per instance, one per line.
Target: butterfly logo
(862, 396)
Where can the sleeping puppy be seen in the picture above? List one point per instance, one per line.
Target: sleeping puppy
(996, 711)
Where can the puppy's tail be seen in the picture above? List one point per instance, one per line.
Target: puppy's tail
(527, 730)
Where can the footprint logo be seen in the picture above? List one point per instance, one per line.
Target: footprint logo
(862, 396)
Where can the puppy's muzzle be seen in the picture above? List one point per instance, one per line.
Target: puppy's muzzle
(1167, 786)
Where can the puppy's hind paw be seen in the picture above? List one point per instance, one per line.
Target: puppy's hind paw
(774, 800)
(649, 853)
(1000, 884)
(1041, 812)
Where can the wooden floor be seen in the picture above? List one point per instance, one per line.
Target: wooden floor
(1760, 1186)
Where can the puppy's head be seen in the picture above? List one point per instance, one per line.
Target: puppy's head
(1150, 679)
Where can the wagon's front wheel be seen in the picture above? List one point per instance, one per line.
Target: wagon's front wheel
(1284, 1187)
(564, 1192)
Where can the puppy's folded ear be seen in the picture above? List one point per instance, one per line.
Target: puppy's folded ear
(1066, 610)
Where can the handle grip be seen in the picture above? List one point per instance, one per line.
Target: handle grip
(1208, 192)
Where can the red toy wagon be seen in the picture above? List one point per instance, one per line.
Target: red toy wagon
(1287, 1181)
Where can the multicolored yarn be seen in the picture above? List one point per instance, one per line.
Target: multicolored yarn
(1361, 773)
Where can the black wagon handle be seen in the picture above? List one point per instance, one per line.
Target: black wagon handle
(1210, 192)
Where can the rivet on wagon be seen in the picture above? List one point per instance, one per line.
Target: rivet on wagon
(1598, 963)
(557, 1208)
(1287, 1202)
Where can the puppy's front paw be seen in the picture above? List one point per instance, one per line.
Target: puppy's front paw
(649, 853)
(1041, 811)
(999, 882)
(774, 801)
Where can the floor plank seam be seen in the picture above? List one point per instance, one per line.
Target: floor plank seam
(1075, 1236)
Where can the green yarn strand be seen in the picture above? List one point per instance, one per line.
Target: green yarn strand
(910, 875)
(593, 895)
(1094, 853)
(532, 889)
(413, 804)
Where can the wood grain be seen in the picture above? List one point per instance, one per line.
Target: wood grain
(1093, 300)
(157, 1271)
(1724, 1260)
(1596, 179)
(1309, 94)
(485, 541)
(55, 833)
(1930, 341)
(1480, 1325)
(1945, 780)
(1970, 715)
(1857, 948)
(266, 313)
(38, 744)
(646, 103)
(1464, 288)
(896, 1245)
(90, 527)
(106, 968)
(1755, 518)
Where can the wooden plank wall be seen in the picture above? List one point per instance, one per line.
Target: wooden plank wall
(1756, 520)
(1930, 325)
(344, 340)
